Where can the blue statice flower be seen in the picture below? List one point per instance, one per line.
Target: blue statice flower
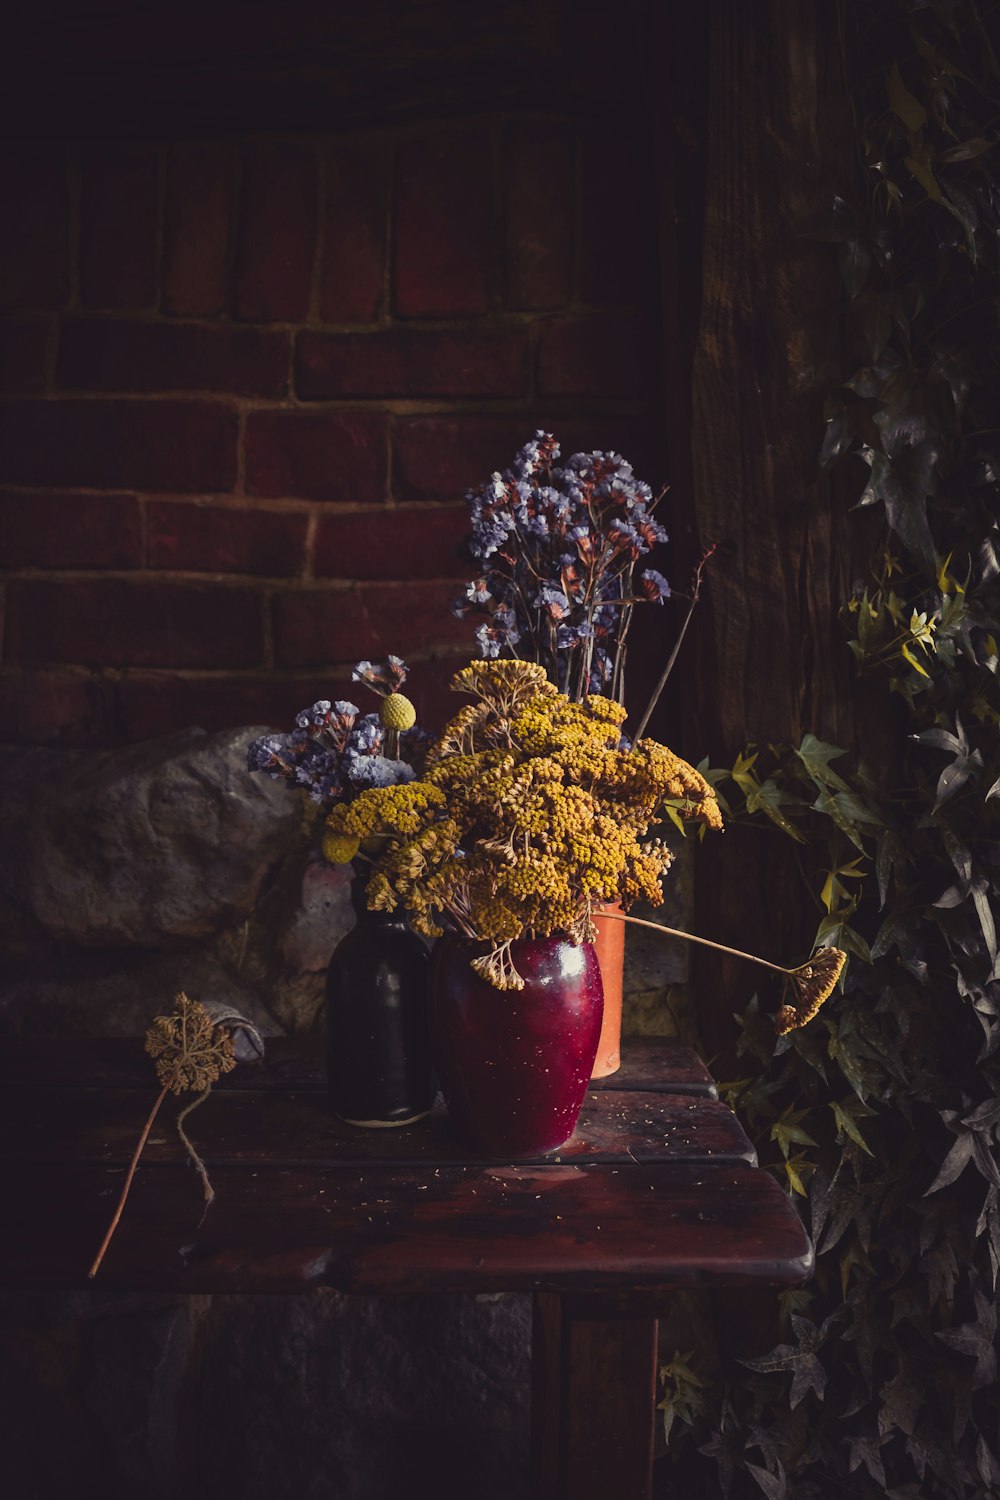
(490, 641)
(332, 752)
(653, 586)
(375, 770)
(315, 717)
(478, 592)
(557, 543)
(269, 754)
(553, 602)
(568, 636)
(367, 736)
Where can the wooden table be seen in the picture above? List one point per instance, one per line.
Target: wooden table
(658, 1189)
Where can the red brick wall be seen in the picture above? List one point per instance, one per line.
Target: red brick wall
(246, 383)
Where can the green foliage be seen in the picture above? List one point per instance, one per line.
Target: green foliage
(883, 1116)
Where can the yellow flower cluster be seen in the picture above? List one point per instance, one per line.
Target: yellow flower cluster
(528, 816)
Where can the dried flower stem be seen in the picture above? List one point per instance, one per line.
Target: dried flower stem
(692, 606)
(690, 937)
(810, 984)
(128, 1180)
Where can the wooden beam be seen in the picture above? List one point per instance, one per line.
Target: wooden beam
(593, 1404)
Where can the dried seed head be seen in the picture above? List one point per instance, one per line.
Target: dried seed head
(189, 1049)
(811, 985)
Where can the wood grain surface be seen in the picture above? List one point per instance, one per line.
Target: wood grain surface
(650, 1064)
(656, 1190)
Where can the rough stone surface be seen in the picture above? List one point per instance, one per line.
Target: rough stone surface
(165, 841)
(80, 992)
(321, 1396)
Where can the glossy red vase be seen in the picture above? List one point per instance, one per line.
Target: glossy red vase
(513, 1065)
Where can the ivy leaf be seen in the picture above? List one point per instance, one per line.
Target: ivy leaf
(902, 102)
(901, 1401)
(954, 1164)
(964, 209)
(816, 756)
(976, 1340)
(787, 1132)
(767, 797)
(809, 1376)
(843, 1114)
(981, 901)
(968, 150)
(775, 1486)
(989, 1469)
(855, 263)
(864, 1450)
(903, 475)
(919, 165)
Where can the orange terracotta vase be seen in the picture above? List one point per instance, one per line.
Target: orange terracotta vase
(609, 945)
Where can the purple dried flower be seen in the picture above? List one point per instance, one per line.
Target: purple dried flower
(653, 586)
(376, 770)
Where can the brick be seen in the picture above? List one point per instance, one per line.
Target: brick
(118, 229)
(218, 539)
(540, 191)
(444, 231)
(617, 225)
(597, 354)
(186, 446)
(352, 272)
(121, 354)
(439, 458)
(116, 623)
(411, 362)
(41, 708)
(197, 226)
(339, 455)
(154, 703)
(317, 628)
(277, 233)
(393, 544)
(34, 245)
(427, 685)
(69, 531)
(24, 345)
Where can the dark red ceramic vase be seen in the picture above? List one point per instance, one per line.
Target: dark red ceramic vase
(514, 1065)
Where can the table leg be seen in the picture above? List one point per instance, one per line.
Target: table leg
(593, 1403)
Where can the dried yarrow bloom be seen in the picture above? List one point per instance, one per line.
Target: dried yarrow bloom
(529, 814)
(191, 1052)
(812, 984)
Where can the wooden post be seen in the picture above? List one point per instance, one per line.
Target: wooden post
(758, 345)
(593, 1403)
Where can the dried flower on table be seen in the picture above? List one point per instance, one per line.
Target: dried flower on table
(191, 1052)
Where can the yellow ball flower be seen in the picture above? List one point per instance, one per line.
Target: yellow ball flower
(340, 848)
(397, 712)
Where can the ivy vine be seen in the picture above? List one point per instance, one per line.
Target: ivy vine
(883, 1116)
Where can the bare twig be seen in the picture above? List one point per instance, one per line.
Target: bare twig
(695, 595)
(128, 1180)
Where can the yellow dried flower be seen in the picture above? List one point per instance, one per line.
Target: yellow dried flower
(529, 814)
(340, 848)
(397, 712)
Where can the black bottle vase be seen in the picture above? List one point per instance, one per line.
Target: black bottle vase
(378, 1046)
